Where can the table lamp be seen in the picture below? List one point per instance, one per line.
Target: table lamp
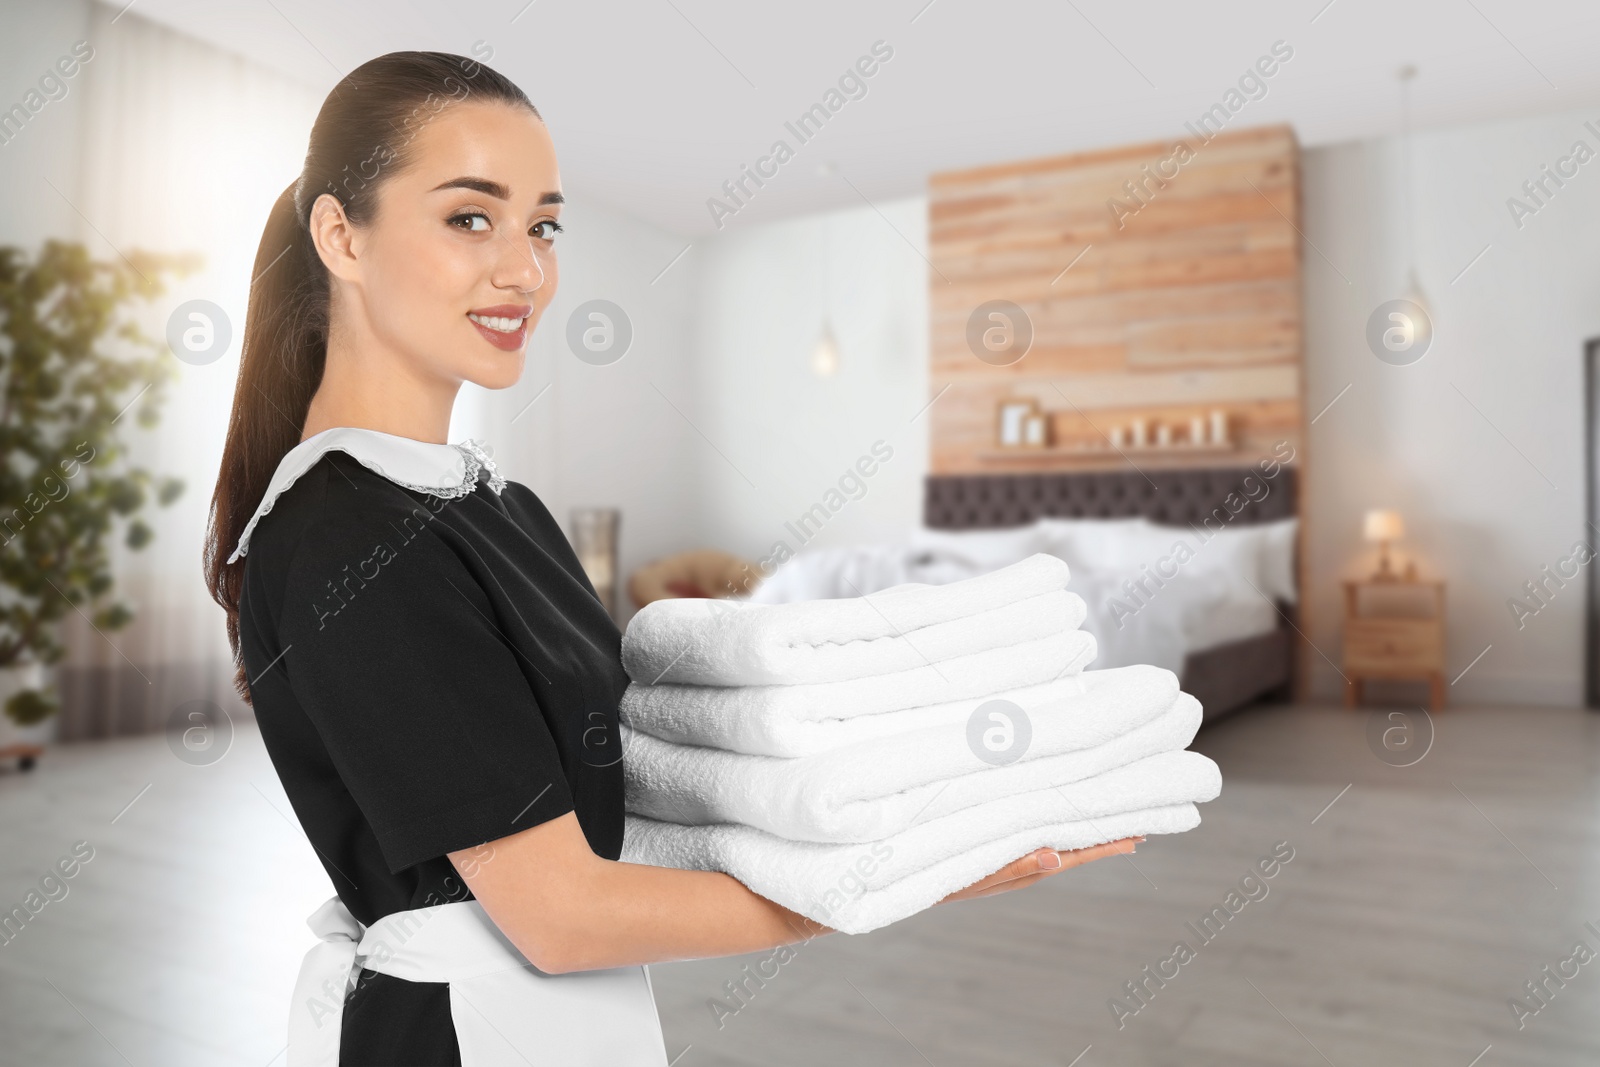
(1384, 527)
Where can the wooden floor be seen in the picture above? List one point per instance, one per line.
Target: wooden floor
(1415, 906)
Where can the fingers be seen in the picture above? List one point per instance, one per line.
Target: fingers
(1047, 861)
(1079, 857)
(1019, 868)
(1039, 861)
(1014, 884)
(1042, 863)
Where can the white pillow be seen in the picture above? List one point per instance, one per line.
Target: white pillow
(984, 549)
(1277, 561)
(1263, 553)
(1108, 544)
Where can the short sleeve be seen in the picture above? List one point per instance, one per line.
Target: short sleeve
(392, 649)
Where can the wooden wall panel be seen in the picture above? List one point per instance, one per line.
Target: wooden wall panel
(1192, 304)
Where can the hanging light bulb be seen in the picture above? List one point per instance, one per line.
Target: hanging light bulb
(825, 357)
(1416, 295)
(1414, 292)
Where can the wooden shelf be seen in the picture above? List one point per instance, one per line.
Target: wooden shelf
(1103, 451)
(1397, 582)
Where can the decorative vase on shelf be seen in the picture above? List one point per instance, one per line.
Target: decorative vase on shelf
(1219, 427)
(1036, 432)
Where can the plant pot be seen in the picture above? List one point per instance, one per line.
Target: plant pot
(14, 680)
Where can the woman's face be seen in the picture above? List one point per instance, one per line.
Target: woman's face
(458, 263)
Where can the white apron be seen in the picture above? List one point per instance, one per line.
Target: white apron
(505, 1011)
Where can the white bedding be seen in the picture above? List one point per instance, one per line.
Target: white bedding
(829, 573)
(1234, 618)
(1221, 589)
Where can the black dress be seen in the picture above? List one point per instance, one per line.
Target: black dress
(429, 674)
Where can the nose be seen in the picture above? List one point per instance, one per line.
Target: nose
(518, 267)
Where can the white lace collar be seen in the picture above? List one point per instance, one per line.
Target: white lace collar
(447, 471)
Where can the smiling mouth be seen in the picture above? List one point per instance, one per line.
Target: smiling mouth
(498, 323)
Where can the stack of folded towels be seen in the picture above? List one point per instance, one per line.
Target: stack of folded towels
(819, 752)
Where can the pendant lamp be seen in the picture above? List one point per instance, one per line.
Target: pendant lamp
(1414, 292)
(825, 354)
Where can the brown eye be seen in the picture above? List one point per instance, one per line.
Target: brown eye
(470, 220)
(546, 229)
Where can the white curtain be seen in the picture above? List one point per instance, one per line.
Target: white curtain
(185, 149)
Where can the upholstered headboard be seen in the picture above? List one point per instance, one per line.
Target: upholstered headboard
(1172, 497)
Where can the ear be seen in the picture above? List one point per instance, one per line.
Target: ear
(334, 236)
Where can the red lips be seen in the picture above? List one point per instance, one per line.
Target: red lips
(506, 342)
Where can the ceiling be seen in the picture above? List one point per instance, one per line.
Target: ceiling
(655, 103)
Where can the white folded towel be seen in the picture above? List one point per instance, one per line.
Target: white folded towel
(734, 643)
(856, 888)
(798, 720)
(869, 791)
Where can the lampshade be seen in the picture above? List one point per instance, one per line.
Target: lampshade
(1384, 526)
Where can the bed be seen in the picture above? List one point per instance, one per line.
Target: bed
(1222, 616)
(1226, 676)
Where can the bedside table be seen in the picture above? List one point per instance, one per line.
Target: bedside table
(1400, 647)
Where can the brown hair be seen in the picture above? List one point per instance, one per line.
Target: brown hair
(359, 140)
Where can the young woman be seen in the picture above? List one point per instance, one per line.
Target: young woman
(435, 679)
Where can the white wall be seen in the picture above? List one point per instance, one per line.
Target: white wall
(777, 436)
(1479, 444)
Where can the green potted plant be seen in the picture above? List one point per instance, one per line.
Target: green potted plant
(75, 371)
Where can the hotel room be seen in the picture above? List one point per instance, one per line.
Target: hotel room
(944, 411)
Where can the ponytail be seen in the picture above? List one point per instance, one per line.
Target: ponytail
(280, 366)
(358, 140)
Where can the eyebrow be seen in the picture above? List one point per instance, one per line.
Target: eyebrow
(494, 189)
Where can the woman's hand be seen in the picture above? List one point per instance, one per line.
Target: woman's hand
(1041, 863)
(567, 909)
